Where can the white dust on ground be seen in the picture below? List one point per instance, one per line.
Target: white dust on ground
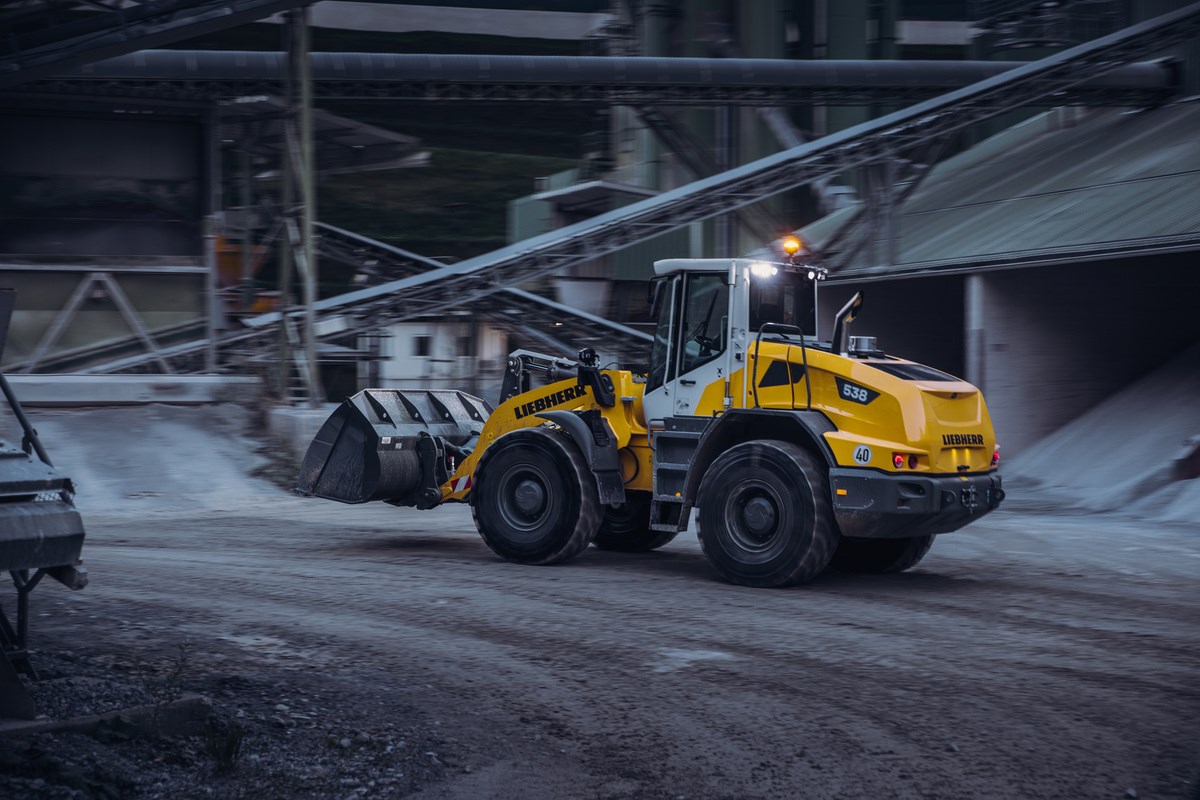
(156, 458)
(1119, 456)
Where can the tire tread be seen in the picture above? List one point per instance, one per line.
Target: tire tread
(590, 513)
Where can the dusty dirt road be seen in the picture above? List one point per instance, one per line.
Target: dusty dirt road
(1030, 655)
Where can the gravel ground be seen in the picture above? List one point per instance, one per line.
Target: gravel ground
(372, 652)
(271, 732)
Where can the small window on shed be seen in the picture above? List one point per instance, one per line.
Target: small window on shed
(422, 346)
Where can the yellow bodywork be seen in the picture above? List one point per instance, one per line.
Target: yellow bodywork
(943, 423)
(625, 418)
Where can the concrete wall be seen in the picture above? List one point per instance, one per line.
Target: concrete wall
(100, 186)
(1045, 344)
(1048, 344)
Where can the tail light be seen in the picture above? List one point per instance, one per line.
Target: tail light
(995, 457)
(898, 460)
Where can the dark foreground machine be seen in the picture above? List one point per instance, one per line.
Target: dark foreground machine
(41, 534)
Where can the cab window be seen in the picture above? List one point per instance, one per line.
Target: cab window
(784, 298)
(705, 319)
(661, 350)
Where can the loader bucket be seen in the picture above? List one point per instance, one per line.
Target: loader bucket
(371, 448)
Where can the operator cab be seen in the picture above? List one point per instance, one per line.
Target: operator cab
(708, 311)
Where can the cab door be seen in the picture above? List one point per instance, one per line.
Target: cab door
(691, 338)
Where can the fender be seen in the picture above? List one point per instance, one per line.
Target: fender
(805, 428)
(595, 437)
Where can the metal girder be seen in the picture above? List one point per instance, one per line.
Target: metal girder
(466, 282)
(113, 292)
(513, 310)
(378, 261)
(852, 235)
(527, 314)
(42, 53)
(76, 359)
(189, 75)
(765, 226)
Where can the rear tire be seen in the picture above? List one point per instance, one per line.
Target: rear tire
(880, 556)
(626, 528)
(534, 498)
(765, 516)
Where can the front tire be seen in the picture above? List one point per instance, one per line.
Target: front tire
(880, 556)
(534, 498)
(626, 528)
(765, 517)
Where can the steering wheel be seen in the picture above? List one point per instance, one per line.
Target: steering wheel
(708, 344)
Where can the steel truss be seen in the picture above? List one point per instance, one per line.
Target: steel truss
(886, 138)
(29, 54)
(763, 225)
(192, 75)
(514, 311)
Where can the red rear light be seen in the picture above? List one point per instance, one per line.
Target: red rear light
(898, 460)
(995, 457)
(912, 462)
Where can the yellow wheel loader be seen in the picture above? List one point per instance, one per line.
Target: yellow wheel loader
(796, 453)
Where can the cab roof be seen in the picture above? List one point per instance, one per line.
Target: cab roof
(670, 266)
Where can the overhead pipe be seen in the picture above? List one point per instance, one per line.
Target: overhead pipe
(219, 65)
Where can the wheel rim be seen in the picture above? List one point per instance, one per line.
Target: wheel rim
(753, 516)
(526, 500)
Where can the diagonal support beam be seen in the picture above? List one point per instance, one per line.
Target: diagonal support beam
(846, 242)
(764, 226)
(75, 302)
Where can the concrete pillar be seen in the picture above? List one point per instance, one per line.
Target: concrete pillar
(656, 21)
(973, 329)
(212, 305)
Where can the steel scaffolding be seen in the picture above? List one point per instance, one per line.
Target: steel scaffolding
(886, 140)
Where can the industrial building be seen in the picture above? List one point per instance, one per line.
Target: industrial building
(1030, 228)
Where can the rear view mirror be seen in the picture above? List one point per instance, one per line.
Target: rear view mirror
(654, 295)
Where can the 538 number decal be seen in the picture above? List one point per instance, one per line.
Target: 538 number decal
(855, 393)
